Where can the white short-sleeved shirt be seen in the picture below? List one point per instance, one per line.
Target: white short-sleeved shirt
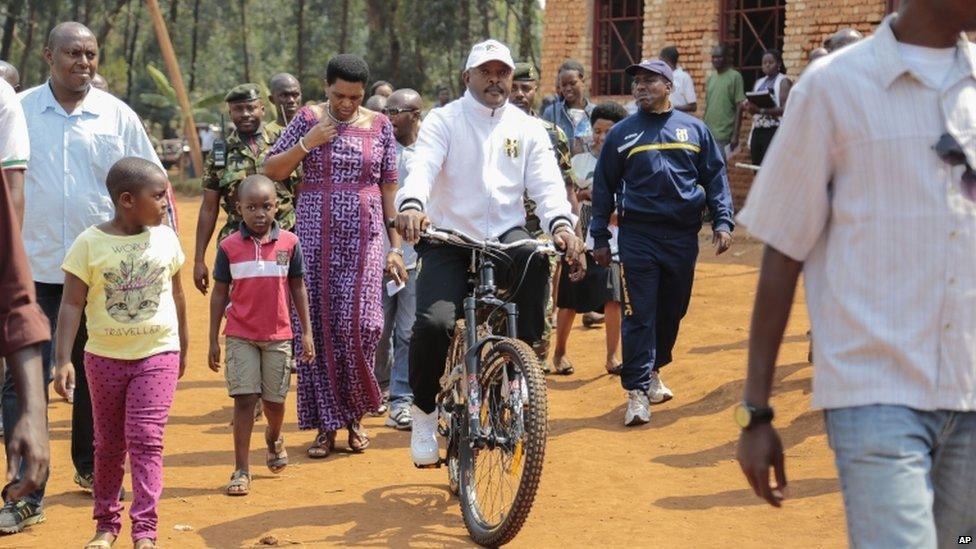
(682, 89)
(14, 142)
(64, 191)
(852, 187)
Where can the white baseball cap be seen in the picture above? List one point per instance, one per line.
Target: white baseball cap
(489, 50)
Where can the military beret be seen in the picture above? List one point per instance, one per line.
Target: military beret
(524, 71)
(243, 92)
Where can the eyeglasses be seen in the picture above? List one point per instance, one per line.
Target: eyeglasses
(951, 152)
(391, 112)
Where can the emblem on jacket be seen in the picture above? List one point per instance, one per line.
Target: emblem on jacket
(681, 134)
(282, 258)
(511, 148)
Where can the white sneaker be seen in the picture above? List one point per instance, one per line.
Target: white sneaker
(658, 392)
(423, 438)
(638, 408)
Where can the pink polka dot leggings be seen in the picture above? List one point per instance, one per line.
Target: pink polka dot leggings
(130, 406)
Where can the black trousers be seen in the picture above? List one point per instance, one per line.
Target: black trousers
(759, 144)
(82, 425)
(441, 288)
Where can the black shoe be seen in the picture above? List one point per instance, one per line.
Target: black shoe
(17, 515)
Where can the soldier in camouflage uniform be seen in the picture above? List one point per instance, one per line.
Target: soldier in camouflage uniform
(246, 147)
(524, 86)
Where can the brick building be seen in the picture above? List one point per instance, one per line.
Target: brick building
(608, 35)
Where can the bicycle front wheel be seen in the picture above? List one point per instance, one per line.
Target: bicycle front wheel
(498, 481)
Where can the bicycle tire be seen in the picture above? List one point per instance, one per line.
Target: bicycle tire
(512, 356)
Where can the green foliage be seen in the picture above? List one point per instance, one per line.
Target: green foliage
(415, 43)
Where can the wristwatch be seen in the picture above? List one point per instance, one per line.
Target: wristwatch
(398, 251)
(747, 416)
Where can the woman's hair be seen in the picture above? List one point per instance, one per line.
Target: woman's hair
(610, 110)
(377, 85)
(572, 65)
(348, 67)
(778, 56)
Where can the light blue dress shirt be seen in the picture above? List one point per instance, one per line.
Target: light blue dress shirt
(71, 154)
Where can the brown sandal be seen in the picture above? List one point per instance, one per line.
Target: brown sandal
(323, 445)
(358, 440)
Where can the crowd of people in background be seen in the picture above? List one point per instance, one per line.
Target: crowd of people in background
(318, 264)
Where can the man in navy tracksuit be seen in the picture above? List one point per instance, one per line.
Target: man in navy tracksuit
(659, 168)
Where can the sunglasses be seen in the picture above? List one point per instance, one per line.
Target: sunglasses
(951, 152)
(391, 112)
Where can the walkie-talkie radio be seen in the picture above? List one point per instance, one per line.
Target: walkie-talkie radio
(220, 148)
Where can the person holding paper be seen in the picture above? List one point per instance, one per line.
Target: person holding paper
(766, 104)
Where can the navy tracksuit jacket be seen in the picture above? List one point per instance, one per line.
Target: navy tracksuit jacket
(659, 171)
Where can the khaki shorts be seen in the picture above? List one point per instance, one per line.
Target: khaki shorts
(258, 367)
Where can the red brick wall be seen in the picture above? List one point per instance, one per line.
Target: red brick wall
(693, 26)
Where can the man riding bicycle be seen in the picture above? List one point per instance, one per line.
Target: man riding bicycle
(474, 159)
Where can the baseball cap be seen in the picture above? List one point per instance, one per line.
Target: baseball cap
(489, 50)
(654, 65)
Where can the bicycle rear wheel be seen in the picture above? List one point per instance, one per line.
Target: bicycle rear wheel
(498, 482)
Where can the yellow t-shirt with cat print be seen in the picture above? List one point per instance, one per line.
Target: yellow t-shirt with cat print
(130, 310)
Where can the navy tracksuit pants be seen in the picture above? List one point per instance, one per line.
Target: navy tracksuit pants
(659, 268)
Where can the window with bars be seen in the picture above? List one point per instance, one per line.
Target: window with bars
(750, 27)
(617, 39)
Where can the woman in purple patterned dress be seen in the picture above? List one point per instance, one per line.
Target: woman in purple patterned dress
(348, 155)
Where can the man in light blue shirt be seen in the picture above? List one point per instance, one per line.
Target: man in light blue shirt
(76, 134)
(399, 310)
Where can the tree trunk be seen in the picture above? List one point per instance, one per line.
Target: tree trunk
(193, 44)
(75, 9)
(300, 38)
(344, 27)
(130, 56)
(247, 61)
(28, 39)
(174, 9)
(109, 24)
(9, 26)
(86, 18)
(526, 24)
(394, 41)
(484, 11)
(464, 34)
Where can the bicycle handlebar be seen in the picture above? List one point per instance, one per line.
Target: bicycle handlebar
(459, 238)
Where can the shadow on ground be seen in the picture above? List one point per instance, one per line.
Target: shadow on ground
(396, 516)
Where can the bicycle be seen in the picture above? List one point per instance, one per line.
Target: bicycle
(493, 403)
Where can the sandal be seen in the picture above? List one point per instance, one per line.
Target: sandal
(563, 367)
(277, 458)
(145, 543)
(102, 540)
(323, 445)
(358, 440)
(240, 485)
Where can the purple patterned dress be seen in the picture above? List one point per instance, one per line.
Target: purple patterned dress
(340, 228)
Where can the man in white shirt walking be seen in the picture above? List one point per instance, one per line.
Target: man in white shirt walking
(474, 159)
(683, 96)
(76, 134)
(876, 157)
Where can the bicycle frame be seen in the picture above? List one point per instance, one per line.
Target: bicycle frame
(483, 295)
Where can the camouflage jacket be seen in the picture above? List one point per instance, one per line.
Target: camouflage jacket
(560, 145)
(243, 161)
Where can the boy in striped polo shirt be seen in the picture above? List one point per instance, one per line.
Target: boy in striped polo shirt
(257, 275)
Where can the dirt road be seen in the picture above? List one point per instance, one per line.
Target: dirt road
(673, 483)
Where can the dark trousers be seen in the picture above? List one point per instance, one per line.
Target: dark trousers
(759, 144)
(82, 427)
(441, 288)
(658, 273)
